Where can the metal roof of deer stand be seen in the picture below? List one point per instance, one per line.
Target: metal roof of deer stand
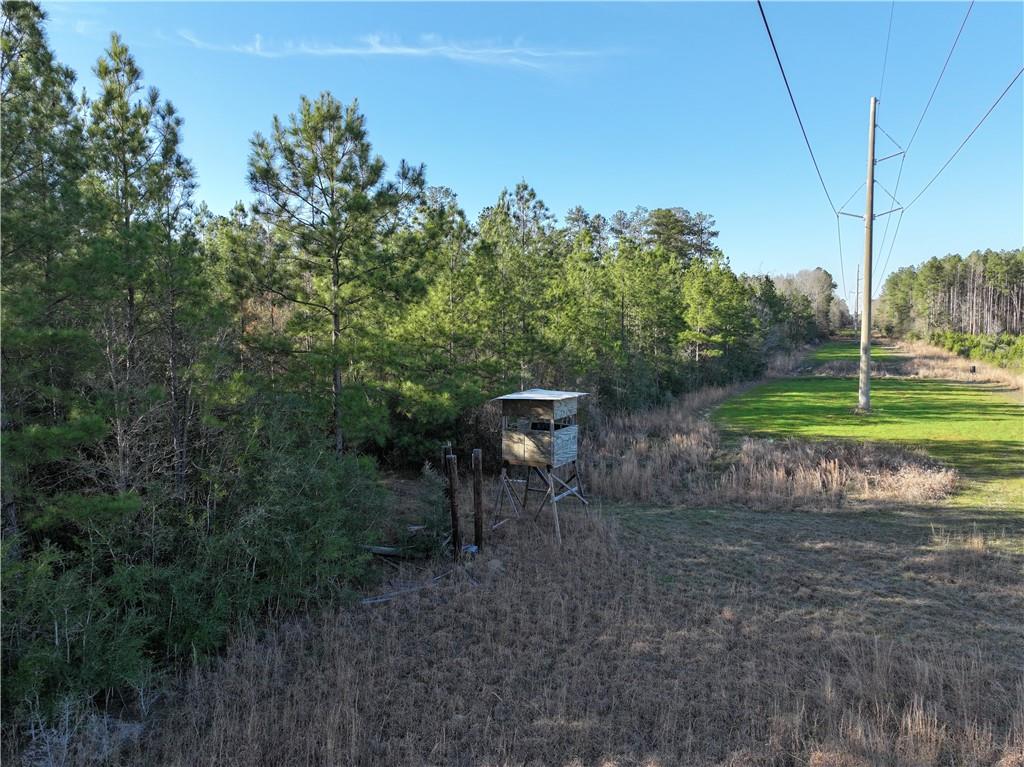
(539, 432)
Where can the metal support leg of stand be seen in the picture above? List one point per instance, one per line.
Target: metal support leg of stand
(505, 491)
(554, 504)
(553, 490)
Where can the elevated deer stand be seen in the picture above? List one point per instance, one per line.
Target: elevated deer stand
(539, 432)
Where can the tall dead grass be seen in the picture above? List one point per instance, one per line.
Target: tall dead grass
(673, 455)
(798, 474)
(661, 455)
(922, 360)
(786, 363)
(926, 361)
(588, 655)
(971, 556)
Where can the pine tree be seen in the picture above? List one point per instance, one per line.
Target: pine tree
(582, 330)
(137, 185)
(44, 413)
(518, 233)
(720, 318)
(323, 192)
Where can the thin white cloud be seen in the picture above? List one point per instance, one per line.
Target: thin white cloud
(255, 48)
(85, 27)
(81, 18)
(429, 46)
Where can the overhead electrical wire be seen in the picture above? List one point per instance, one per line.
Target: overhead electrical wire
(903, 151)
(888, 221)
(892, 243)
(881, 90)
(843, 206)
(839, 233)
(938, 173)
(891, 195)
(945, 165)
(903, 157)
(792, 100)
(839, 237)
(881, 86)
(943, 72)
(885, 56)
(886, 133)
(807, 141)
(899, 220)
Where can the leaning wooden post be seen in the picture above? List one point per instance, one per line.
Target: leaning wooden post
(478, 499)
(452, 469)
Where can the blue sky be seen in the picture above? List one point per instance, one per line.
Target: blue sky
(611, 106)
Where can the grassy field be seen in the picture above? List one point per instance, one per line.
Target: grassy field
(977, 428)
(847, 351)
(662, 634)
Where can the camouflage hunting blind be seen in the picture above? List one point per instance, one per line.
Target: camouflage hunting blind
(538, 427)
(539, 432)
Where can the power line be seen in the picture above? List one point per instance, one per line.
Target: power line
(892, 244)
(841, 207)
(792, 100)
(894, 141)
(951, 157)
(968, 138)
(931, 96)
(885, 57)
(943, 72)
(903, 158)
(807, 141)
(891, 195)
(839, 237)
(885, 232)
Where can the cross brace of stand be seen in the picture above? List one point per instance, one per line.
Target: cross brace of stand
(553, 488)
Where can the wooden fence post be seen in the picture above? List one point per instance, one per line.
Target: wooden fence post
(478, 499)
(452, 470)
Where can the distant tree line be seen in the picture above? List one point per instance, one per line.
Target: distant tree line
(971, 306)
(194, 405)
(980, 294)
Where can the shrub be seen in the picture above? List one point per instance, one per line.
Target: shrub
(92, 609)
(1003, 349)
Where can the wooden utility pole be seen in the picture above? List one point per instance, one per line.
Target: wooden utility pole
(864, 390)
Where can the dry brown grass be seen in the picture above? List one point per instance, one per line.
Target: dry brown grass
(922, 360)
(672, 642)
(661, 455)
(787, 363)
(971, 555)
(850, 369)
(926, 361)
(673, 455)
(799, 474)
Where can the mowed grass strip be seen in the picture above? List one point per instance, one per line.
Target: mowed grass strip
(840, 351)
(973, 427)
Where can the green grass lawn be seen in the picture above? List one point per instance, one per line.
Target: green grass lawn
(836, 351)
(974, 427)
